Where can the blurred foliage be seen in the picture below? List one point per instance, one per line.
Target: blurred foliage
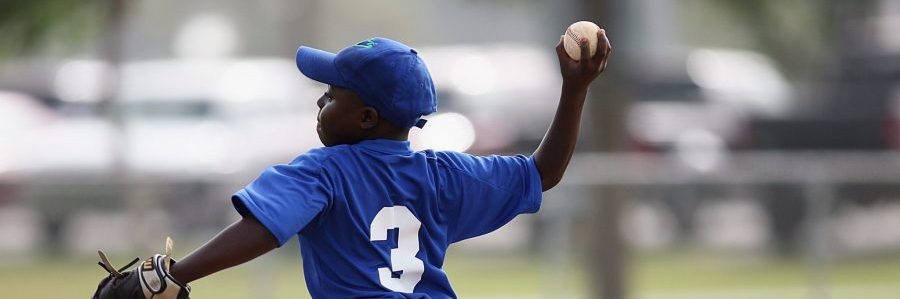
(26, 25)
(801, 34)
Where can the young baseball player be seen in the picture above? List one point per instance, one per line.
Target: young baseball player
(375, 218)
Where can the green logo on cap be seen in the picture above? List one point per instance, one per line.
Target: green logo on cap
(368, 44)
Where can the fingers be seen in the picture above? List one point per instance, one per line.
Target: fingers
(585, 47)
(604, 48)
(560, 48)
(588, 64)
(565, 61)
(602, 43)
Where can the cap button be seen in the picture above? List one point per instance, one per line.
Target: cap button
(413, 51)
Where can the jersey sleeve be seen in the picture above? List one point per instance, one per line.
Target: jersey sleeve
(285, 198)
(484, 193)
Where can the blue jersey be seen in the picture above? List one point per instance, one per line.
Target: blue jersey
(375, 219)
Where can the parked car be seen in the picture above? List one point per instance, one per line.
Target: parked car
(708, 92)
(21, 116)
(195, 118)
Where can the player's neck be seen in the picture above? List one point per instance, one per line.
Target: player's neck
(401, 135)
(385, 130)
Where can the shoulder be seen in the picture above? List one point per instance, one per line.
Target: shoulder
(313, 163)
(455, 160)
(491, 169)
(320, 156)
(468, 162)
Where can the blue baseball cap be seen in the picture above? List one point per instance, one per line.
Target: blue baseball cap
(387, 75)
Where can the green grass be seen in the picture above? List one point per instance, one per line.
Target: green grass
(704, 275)
(654, 276)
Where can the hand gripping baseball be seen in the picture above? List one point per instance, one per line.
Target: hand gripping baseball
(149, 280)
(581, 72)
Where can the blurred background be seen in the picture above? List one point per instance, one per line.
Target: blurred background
(733, 149)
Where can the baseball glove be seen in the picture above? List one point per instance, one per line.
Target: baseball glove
(149, 280)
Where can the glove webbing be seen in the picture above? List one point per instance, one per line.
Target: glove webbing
(104, 263)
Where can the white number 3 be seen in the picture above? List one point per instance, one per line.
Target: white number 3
(403, 258)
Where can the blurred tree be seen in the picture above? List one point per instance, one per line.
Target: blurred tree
(36, 25)
(802, 35)
(27, 25)
(605, 132)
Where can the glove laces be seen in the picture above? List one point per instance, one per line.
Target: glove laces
(104, 263)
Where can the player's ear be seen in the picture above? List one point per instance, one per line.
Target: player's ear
(370, 118)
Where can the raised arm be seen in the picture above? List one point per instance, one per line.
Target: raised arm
(553, 154)
(240, 242)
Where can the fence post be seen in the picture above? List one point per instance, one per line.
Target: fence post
(819, 195)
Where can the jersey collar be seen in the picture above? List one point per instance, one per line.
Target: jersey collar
(387, 146)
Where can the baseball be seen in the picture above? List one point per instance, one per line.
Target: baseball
(577, 31)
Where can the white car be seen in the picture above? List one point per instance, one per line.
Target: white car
(181, 119)
(21, 118)
(185, 117)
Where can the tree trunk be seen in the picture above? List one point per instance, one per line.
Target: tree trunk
(111, 53)
(606, 114)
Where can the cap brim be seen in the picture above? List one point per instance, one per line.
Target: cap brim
(319, 65)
